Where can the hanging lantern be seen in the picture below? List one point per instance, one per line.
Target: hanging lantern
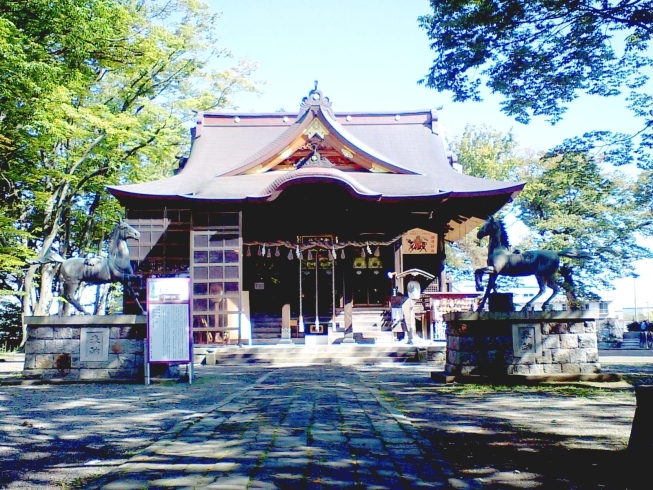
(377, 252)
(363, 252)
(259, 251)
(369, 250)
(264, 249)
(249, 252)
(269, 254)
(342, 253)
(277, 253)
(330, 256)
(310, 255)
(290, 254)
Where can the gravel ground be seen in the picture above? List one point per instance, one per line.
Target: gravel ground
(63, 436)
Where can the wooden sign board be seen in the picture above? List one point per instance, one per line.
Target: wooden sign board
(418, 241)
(169, 334)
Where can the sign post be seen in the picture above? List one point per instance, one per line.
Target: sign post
(169, 333)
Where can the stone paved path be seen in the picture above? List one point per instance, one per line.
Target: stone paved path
(378, 426)
(293, 428)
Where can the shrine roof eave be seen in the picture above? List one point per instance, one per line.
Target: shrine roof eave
(513, 190)
(269, 192)
(188, 198)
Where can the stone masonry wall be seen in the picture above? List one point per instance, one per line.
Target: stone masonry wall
(53, 348)
(539, 343)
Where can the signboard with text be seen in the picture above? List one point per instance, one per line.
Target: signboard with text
(169, 334)
(418, 241)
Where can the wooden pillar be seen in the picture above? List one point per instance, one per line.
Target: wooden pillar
(442, 276)
(399, 267)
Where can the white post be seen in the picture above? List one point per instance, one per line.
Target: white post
(635, 296)
(147, 364)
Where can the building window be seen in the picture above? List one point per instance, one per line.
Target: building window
(603, 306)
(216, 272)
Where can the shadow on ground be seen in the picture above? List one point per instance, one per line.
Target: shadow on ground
(384, 426)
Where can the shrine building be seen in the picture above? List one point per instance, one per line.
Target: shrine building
(318, 210)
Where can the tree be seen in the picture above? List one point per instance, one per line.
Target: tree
(540, 55)
(570, 201)
(486, 153)
(98, 93)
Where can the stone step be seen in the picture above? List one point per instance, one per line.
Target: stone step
(316, 360)
(630, 344)
(332, 354)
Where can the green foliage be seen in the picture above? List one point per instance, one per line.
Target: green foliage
(570, 202)
(484, 152)
(540, 55)
(94, 93)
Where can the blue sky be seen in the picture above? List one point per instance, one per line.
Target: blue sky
(368, 55)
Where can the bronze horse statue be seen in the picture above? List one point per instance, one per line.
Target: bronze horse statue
(543, 264)
(96, 270)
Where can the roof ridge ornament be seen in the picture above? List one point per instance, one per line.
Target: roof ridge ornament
(316, 99)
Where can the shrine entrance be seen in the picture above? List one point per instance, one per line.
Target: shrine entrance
(369, 282)
(319, 285)
(318, 291)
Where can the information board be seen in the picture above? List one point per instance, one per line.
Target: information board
(169, 333)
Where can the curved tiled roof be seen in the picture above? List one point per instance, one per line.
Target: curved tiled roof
(405, 146)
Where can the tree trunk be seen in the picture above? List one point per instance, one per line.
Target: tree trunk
(45, 297)
(573, 302)
(101, 297)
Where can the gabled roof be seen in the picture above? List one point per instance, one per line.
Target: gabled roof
(316, 125)
(375, 155)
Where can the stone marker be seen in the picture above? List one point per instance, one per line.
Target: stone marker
(285, 325)
(349, 327)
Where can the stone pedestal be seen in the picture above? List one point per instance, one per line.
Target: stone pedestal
(85, 347)
(521, 343)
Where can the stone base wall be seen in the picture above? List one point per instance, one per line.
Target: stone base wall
(529, 343)
(85, 347)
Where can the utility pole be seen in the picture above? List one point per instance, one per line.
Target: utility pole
(635, 296)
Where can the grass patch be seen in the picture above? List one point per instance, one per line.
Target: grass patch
(566, 389)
